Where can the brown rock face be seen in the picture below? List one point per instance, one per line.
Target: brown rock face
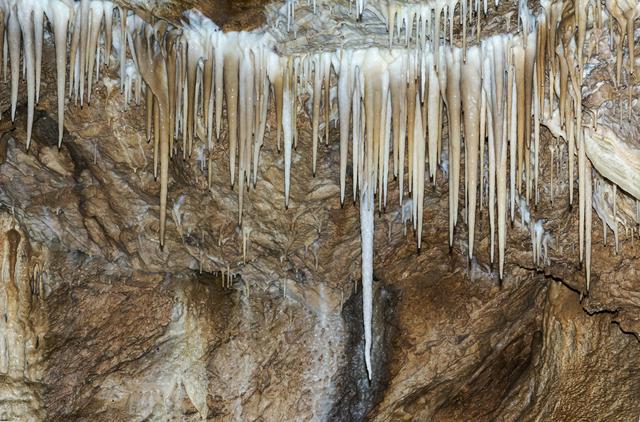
(99, 323)
(230, 15)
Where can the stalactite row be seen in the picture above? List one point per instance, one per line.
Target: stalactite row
(385, 96)
(22, 30)
(434, 20)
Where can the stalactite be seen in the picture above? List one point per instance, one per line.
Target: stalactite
(366, 230)
(189, 113)
(82, 51)
(512, 128)
(411, 116)
(530, 51)
(419, 173)
(483, 127)
(3, 54)
(148, 105)
(453, 59)
(614, 200)
(288, 115)
(518, 58)
(109, 7)
(317, 84)
(156, 134)
(122, 53)
(207, 90)
(231, 95)
(345, 94)
(153, 69)
(500, 142)
(38, 28)
(96, 13)
(26, 24)
(489, 93)
(60, 14)
(434, 120)
(588, 221)
(581, 183)
(326, 80)
(471, 98)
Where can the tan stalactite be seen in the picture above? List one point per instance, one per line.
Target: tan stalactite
(152, 66)
(419, 173)
(581, 8)
(581, 188)
(541, 57)
(411, 117)
(171, 52)
(219, 82)
(453, 60)
(190, 111)
(27, 27)
(566, 113)
(326, 89)
(471, 86)
(3, 59)
(148, 105)
(381, 157)
(357, 131)
(231, 95)
(317, 84)
(398, 89)
(278, 85)
(96, 13)
(207, 90)
(345, 94)
(182, 108)
(372, 125)
(262, 105)
(38, 28)
(483, 129)
(487, 83)
(288, 122)
(498, 113)
(108, 31)
(123, 12)
(85, 10)
(518, 58)
(59, 15)
(512, 109)
(615, 10)
(588, 220)
(536, 135)
(530, 52)
(433, 111)
(156, 134)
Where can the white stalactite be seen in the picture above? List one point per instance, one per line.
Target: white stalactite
(367, 210)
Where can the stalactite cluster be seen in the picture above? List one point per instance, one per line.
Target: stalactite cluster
(393, 98)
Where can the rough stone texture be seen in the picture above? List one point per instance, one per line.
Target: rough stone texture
(231, 15)
(126, 331)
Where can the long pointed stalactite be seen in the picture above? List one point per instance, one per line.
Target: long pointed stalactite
(393, 97)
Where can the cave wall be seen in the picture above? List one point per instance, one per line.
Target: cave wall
(100, 323)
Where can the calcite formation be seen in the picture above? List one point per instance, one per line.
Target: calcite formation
(417, 89)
